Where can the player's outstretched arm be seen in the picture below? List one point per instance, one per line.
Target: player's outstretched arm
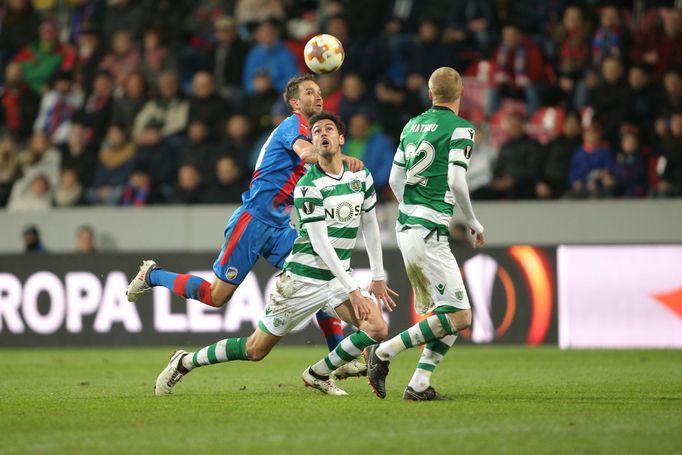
(305, 150)
(308, 153)
(458, 185)
(372, 237)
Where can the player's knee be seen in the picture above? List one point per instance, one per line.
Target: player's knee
(220, 297)
(377, 330)
(460, 320)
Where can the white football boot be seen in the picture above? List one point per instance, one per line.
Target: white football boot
(354, 368)
(328, 386)
(140, 284)
(171, 375)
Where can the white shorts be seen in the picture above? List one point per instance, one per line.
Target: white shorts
(294, 301)
(432, 271)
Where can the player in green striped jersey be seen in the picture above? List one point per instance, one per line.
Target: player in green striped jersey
(332, 203)
(428, 178)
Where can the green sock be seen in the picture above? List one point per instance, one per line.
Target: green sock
(223, 351)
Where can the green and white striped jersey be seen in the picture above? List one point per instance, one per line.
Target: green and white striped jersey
(340, 203)
(430, 143)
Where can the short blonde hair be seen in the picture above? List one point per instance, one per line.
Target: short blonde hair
(445, 85)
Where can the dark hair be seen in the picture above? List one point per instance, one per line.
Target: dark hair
(291, 90)
(325, 115)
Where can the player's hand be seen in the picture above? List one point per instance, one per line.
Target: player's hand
(360, 305)
(476, 230)
(479, 240)
(354, 164)
(380, 290)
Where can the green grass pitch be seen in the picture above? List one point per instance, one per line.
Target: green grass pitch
(508, 400)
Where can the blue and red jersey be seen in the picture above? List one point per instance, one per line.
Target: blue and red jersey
(278, 169)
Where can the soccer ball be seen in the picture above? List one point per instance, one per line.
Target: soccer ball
(323, 54)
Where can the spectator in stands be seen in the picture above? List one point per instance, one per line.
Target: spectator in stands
(205, 105)
(592, 165)
(611, 39)
(122, 15)
(89, 54)
(229, 183)
(519, 69)
(116, 161)
(238, 139)
(201, 149)
(227, 57)
(518, 164)
(670, 101)
(30, 193)
(123, 59)
(9, 165)
(156, 55)
(368, 143)
(18, 104)
(69, 192)
(130, 103)
(470, 25)
(572, 53)
(140, 190)
(251, 12)
(32, 242)
(553, 181)
(44, 57)
(200, 19)
(158, 154)
(168, 108)
(85, 239)
(41, 158)
(331, 92)
(190, 188)
(643, 96)
(78, 154)
(660, 47)
(630, 169)
(96, 112)
(19, 27)
(354, 97)
(169, 15)
(670, 181)
(611, 99)
(427, 54)
(270, 54)
(259, 104)
(395, 106)
(58, 107)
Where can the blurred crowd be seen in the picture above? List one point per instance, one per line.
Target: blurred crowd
(139, 102)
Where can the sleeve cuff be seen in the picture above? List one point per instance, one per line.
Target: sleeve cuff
(460, 164)
(310, 220)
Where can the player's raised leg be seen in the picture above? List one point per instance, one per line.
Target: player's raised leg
(253, 348)
(244, 238)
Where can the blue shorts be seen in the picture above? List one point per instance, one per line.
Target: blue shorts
(246, 239)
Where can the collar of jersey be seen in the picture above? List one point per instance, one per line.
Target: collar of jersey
(343, 163)
(441, 108)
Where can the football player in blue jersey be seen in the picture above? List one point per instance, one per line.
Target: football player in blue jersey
(261, 226)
